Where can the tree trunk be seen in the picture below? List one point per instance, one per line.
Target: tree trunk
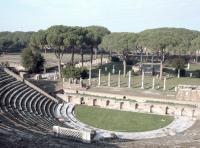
(161, 69)
(124, 64)
(82, 58)
(91, 56)
(72, 58)
(147, 56)
(45, 51)
(152, 59)
(161, 63)
(110, 55)
(141, 57)
(101, 58)
(95, 53)
(59, 68)
(190, 58)
(163, 57)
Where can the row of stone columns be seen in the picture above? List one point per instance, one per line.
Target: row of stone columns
(129, 80)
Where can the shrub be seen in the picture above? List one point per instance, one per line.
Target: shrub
(115, 59)
(197, 73)
(84, 73)
(131, 61)
(182, 72)
(73, 72)
(32, 60)
(178, 63)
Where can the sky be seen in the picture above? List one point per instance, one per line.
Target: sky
(116, 15)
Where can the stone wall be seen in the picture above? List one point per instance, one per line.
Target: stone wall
(125, 105)
(131, 97)
(95, 62)
(188, 93)
(81, 135)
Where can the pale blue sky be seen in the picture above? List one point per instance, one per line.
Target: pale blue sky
(116, 15)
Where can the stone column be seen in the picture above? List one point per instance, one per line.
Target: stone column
(175, 89)
(124, 65)
(109, 79)
(188, 66)
(99, 77)
(63, 80)
(106, 68)
(119, 79)
(75, 81)
(152, 67)
(81, 82)
(178, 75)
(129, 79)
(142, 85)
(153, 83)
(113, 69)
(164, 85)
(90, 76)
(45, 70)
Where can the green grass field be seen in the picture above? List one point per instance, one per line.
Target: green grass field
(122, 121)
(50, 58)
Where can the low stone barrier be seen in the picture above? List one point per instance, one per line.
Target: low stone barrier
(136, 98)
(152, 107)
(95, 62)
(188, 93)
(83, 136)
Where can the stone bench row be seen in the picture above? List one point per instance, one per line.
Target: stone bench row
(65, 112)
(26, 106)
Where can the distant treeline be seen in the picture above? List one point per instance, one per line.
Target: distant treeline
(14, 41)
(172, 40)
(61, 39)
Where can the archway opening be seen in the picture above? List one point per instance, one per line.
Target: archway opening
(151, 109)
(107, 103)
(182, 110)
(121, 105)
(193, 112)
(82, 100)
(69, 98)
(167, 110)
(136, 106)
(94, 102)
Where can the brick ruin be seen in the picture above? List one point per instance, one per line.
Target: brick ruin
(188, 93)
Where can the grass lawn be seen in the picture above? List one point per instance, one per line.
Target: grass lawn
(194, 67)
(122, 121)
(50, 58)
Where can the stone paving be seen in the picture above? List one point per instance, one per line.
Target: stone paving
(131, 92)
